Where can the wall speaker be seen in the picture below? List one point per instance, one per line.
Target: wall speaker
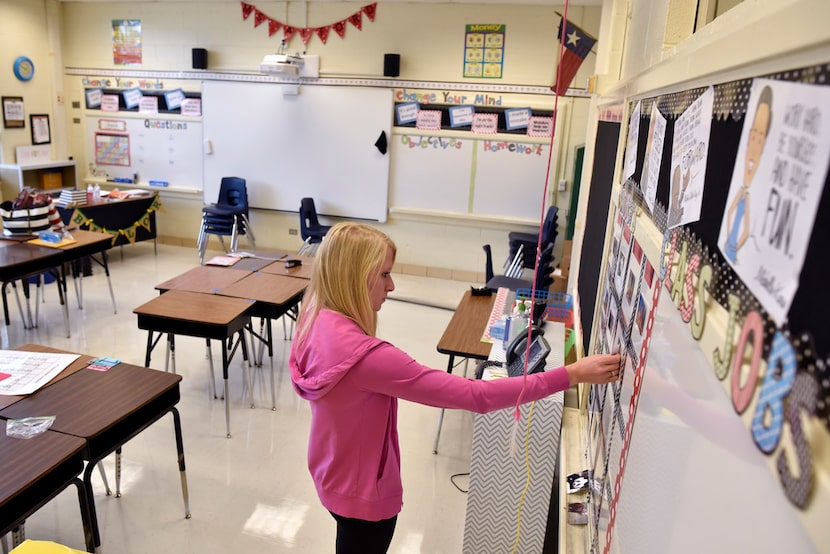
(199, 58)
(391, 65)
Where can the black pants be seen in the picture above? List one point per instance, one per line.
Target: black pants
(358, 536)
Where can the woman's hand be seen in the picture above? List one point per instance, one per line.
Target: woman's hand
(598, 369)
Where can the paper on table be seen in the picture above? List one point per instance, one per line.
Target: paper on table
(28, 371)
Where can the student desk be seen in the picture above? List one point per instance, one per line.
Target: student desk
(105, 409)
(34, 471)
(197, 314)
(301, 271)
(206, 279)
(462, 337)
(19, 260)
(274, 296)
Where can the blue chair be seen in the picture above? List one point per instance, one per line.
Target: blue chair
(310, 228)
(228, 217)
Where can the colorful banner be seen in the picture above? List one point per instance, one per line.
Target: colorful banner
(306, 33)
(81, 220)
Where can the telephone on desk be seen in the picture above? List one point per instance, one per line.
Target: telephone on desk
(515, 355)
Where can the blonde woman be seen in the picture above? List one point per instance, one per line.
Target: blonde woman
(353, 381)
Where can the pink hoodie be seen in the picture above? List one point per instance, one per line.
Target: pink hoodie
(353, 382)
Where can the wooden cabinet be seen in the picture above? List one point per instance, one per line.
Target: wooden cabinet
(51, 176)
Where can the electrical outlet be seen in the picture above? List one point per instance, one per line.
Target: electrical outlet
(292, 231)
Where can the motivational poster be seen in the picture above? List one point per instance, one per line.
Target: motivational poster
(688, 160)
(654, 156)
(632, 141)
(776, 185)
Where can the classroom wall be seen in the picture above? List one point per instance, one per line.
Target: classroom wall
(438, 246)
(24, 32)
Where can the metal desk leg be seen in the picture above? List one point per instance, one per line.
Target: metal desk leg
(441, 415)
(212, 374)
(177, 427)
(109, 283)
(225, 363)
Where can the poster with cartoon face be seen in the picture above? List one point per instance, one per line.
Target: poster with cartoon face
(690, 147)
(776, 185)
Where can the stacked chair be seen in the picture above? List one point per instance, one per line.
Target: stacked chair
(511, 279)
(529, 240)
(228, 217)
(523, 256)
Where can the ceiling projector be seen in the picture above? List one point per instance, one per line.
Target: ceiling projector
(283, 64)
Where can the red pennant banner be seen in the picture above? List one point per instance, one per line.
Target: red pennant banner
(370, 11)
(246, 10)
(323, 33)
(306, 33)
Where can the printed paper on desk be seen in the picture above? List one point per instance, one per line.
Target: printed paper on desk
(222, 260)
(28, 371)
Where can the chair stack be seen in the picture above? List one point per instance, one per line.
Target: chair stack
(310, 228)
(510, 279)
(228, 217)
(529, 240)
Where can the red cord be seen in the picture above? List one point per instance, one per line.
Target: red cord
(517, 414)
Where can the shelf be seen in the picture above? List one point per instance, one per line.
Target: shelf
(15, 176)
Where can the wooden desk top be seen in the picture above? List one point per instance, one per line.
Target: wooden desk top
(18, 259)
(211, 309)
(85, 238)
(88, 402)
(462, 337)
(300, 271)
(206, 279)
(7, 400)
(25, 462)
(266, 287)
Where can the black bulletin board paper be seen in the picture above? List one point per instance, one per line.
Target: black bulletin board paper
(318, 143)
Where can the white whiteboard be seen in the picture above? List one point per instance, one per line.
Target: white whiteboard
(154, 147)
(478, 176)
(424, 175)
(319, 143)
(510, 178)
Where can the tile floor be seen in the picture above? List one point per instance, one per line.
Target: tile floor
(251, 493)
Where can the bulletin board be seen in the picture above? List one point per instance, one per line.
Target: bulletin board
(289, 142)
(154, 148)
(711, 440)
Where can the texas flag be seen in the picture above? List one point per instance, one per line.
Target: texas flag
(577, 45)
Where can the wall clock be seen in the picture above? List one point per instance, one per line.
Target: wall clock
(24, 69)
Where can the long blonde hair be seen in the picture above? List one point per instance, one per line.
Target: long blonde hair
(350, 252)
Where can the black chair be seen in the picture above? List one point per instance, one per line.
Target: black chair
(228, 217)
(530, 240)
(310, 228)
(543, 277)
